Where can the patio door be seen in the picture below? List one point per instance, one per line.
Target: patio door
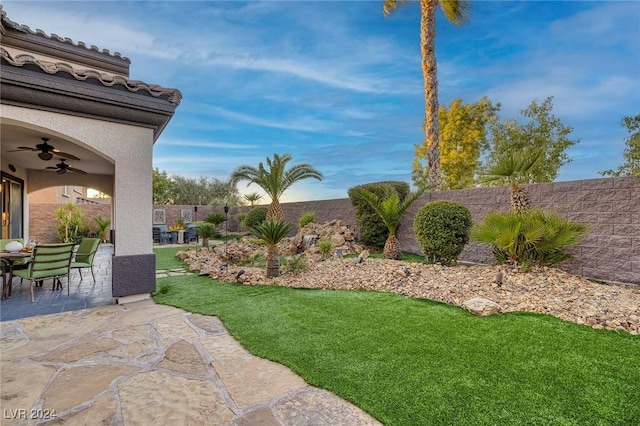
(12, 203)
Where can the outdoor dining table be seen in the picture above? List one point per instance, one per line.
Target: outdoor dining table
(11, 257)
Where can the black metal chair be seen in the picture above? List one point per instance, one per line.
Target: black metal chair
(191, 234)
(160, 236)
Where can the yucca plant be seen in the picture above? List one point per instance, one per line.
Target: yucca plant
(272, 232)
(527, 239)
(103, 227)
(390, 208)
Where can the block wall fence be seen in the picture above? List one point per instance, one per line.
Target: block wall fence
(610, 206)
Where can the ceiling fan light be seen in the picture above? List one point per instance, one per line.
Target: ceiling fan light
(61, 171)
(45, 156)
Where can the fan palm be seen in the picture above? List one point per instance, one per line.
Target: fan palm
(513, 168)
(272, 232)
(390, 207)
(252, 198)
(456, 11)
(275, 179)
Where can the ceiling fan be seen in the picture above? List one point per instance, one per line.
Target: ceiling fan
(46, 151)
(62, 168)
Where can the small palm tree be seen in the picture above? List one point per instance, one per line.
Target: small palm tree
(272, 232)
(275, 180)
(207, 231)
(390, 208)
(103, 226)
(252, 198)
(513, 168)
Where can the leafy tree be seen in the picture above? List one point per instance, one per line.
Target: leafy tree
(272, 232)
(456, 11)
(463, 138)
(542, 132)
(631, 166)
(390, 207)
(275, 179)
(162, 187)
(203, 191)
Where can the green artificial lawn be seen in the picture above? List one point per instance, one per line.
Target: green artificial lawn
(418, 362)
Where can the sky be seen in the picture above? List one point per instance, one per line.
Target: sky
(339, 86)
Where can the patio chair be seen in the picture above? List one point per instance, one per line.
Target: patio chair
(161, 235)
(84, 256)
(48, 261)
(190, 234)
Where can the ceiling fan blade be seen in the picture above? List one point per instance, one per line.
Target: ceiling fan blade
(73, 169)
(65, 155)
(23, 148)
(51, 168)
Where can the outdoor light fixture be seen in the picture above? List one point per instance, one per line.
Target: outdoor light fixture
(226, 230)
(195, 220)
(46, 156)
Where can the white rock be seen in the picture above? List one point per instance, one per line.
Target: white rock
(481, 306)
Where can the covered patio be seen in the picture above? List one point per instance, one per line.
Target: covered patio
(68, 109)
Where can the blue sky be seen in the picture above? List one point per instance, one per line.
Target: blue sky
(339, 86)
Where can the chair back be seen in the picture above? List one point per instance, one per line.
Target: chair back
(4, 242)
(50, 260)
(87, 250)
(191, 233)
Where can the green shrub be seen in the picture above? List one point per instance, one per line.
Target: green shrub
(240, 218)
(294, 264)
(306, 218)
(442, 230)
(215, 218)
(163, 288)
(325, 247)
(255, 217)
(373, 231)
(531, 238)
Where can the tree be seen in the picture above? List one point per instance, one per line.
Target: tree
(203, 191)
(463, 138)
(276, 180)
(456, 11)
(631, 154)
(272, 232)
(252, 198)
(514, 168)
(543, 132)
(162, 187)
(390, 207)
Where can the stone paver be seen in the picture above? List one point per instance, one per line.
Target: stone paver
(143, 363)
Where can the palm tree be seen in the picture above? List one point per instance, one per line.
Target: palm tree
(456, 11)
(513, 168)
(272, 232)
(390, 208)
(275, 180)
(252, 198)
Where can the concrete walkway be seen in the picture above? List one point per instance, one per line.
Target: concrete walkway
(148, 364)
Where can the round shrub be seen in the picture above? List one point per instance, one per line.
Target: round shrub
(255, 217)
(442, 230)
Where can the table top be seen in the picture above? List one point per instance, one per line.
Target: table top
(8, 254)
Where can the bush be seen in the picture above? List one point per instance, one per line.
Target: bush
(240, 218)
(294, 264)
(373, 231)
(306, 218)
(531, 238)
(325, 247)
(442, 230)
(255, 217)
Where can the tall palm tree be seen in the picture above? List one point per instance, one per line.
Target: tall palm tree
(390, 208)
(272, 232)
(457, 12)
(252, 198)
(513, 168)
(275, 180)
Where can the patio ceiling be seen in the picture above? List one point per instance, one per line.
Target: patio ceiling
(15, 136)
